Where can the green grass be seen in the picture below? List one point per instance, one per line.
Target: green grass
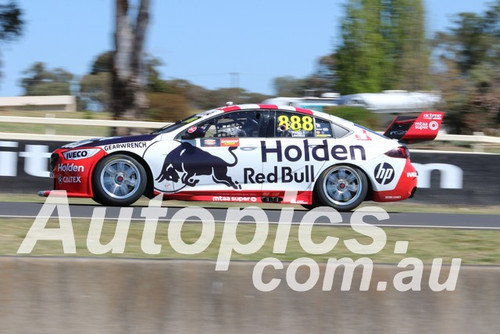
(80, 130)
(472, 246)
(76, 130)
(57, 114)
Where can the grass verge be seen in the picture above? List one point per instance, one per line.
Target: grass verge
(472, 246)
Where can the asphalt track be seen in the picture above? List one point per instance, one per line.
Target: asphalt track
(397, 219)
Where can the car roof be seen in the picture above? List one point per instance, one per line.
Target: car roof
(265, 106)
(289, 108)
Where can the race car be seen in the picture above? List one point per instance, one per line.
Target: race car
(252, 153)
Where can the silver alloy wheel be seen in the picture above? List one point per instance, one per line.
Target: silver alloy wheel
(342, 185)
(120, 178)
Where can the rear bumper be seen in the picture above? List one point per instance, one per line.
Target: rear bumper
(406, 187)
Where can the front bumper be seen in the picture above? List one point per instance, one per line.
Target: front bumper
(74, 175)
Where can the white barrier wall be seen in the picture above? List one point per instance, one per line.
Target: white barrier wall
(75, 295)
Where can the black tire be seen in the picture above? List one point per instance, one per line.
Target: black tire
(118, 180)
(342, 187)
(314, 203)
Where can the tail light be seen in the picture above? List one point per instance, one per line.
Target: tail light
(400, 152)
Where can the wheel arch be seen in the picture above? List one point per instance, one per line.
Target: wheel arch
(148, 192)
(369, 194)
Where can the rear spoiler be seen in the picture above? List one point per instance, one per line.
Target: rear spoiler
(413, 129)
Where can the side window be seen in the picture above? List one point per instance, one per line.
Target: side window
(323, 128)
(234, 124)
(289, 124)
(339, 131)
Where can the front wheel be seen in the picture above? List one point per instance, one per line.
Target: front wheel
(118, 180)
(342, 187)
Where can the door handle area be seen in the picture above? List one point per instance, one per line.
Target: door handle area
(248, 148)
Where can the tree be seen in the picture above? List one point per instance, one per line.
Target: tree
(95, 87)
(128, 99)
(383, 46)
(473, 40)
(103, 63)
(197, 97)
(154, 82)
(360, 61)
(323, 79)
(289, 86)
(11, 23)
(39, 80)
(167, 107)
(95, 90)
(469, 75)
(410, 49)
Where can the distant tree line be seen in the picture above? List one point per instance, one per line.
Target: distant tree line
(169, 100)
(468, 72)
(383, 46)
(11, 22)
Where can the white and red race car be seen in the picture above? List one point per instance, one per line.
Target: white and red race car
(249, 153)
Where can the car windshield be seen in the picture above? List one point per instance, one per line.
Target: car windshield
(174, 126)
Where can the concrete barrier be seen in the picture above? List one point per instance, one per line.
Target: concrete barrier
(75, 295)
(459, 178)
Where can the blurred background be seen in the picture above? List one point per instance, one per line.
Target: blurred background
(358, 59)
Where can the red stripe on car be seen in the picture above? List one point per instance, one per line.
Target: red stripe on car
(304, 111)
(230, 108)
(268, 106)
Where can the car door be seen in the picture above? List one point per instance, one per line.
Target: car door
(219, 161)
(294, 154)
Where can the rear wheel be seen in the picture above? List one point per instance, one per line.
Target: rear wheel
(309, 206)
(342, 187)
(118, 180)
(314, 203)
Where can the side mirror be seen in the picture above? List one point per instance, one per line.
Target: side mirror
(193, 133)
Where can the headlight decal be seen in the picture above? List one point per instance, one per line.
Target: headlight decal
(80, 154)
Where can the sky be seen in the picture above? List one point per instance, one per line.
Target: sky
(202, 41)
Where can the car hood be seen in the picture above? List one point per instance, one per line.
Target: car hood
(109, 140)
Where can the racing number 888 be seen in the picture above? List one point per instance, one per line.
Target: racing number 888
(296, 122)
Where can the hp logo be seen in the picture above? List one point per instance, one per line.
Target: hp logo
(384, 173)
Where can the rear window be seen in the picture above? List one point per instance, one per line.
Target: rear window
(340, 131)
(370, 130)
